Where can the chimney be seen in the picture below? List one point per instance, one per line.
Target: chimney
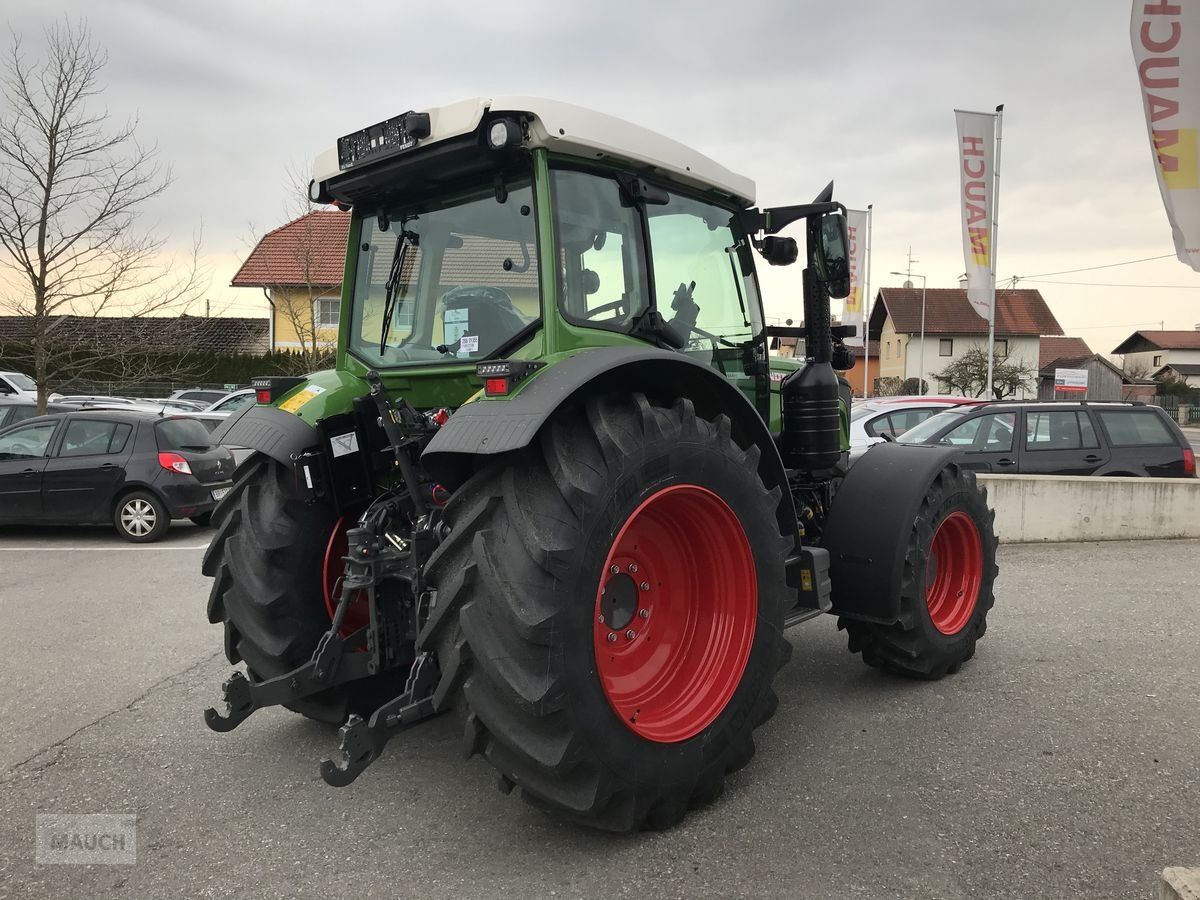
(962, 282)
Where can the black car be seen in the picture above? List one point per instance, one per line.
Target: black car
(13, 410)
(136, 470)
(1061, 438)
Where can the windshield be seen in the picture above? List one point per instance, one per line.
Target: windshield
(21, 382)
(463, 279)
(922, 433)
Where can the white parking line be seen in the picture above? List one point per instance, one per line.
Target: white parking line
(105, 549)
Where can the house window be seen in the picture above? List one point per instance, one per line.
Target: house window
(325, 311)
(1158, 360)
(1000, 348)
(946, 347)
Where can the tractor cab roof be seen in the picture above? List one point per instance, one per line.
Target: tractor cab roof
(560, 127)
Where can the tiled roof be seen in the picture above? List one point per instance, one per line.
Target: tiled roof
(1180, 369)
(857, 350)
(1052, 348)
(310, 250)
(1159, 340)
(225, 334)
(947, 311)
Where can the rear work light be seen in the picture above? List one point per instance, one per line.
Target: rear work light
(1189, 461)
(500, 375)
(173, 462)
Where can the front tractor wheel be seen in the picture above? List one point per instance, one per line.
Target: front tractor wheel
(946, 589)
(609, 610)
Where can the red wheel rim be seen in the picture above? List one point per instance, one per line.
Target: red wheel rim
(675, 613)
(358, 615)
(954, 573)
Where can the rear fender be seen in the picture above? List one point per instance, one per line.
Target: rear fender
(268, 430)
(485, 429)
(869, 525)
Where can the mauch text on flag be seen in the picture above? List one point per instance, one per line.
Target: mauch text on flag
(977, 178)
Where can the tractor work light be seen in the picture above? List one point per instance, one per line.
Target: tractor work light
(499, 376)
(503, 133)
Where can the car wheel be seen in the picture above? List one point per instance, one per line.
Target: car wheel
(141, 517)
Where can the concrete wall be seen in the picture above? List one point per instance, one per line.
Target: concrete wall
(1033, 508)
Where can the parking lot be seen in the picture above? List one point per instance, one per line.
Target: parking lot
(1061, 762)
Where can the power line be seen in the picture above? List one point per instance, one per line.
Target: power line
(1166, 287)
(1092, 268)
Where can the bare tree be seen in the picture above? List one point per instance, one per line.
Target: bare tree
(71, 187)
(967, 375)
(1135, 368)
(293, 281)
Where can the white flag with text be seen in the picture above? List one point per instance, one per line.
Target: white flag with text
(1166, 48)
(976, 163)
(854, 311)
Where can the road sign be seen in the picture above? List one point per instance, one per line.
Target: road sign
(1070, 380)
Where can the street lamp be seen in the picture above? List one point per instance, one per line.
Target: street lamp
(921, 374)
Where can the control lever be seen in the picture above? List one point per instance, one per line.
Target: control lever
(389, 419)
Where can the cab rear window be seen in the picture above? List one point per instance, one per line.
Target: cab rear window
(182, 434)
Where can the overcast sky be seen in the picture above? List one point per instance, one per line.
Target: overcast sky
(790, 94)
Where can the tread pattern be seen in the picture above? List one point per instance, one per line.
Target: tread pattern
(911, 647)
(507, 578)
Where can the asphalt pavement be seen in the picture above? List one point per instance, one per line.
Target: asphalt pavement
(1063, 761)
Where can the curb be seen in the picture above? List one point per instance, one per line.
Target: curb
(1179, 883)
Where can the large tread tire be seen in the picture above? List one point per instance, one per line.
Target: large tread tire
(912, 646)
(513, 623)
(266, 559)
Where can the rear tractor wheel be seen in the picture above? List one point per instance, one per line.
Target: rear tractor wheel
(946, 588)
(609, 610)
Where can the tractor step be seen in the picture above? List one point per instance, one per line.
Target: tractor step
(360, 742)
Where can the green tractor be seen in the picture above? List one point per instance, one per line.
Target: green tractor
(556, 484)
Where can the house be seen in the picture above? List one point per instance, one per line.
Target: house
(298, 267)
(1155, 352)
(1105, 381)
(952, 327)
(854, 374)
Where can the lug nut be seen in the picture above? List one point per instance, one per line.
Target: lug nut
(631, 634)
(601, 620)
(645, 585)
(612, 636)
(644, 613)
(613, 570)
(633, 567)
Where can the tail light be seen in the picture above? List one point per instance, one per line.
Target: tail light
(263, 395)
(1189, 461)
(173, 462)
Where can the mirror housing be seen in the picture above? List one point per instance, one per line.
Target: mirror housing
(779, 251)
(833, 255)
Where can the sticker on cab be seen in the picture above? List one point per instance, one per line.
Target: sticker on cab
(293, 403)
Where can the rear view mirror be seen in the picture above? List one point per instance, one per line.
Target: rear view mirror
(833, 255)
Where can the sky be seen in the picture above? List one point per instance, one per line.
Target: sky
(791, 95)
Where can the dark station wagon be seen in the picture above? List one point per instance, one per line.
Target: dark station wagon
(1061, 438)
(136, 470)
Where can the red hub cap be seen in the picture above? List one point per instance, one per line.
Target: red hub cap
(675, 613)
(358, 615)
(954, 573)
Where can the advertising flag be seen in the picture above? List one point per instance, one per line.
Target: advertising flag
(854, 312)
(976, 164)
(1166, 48)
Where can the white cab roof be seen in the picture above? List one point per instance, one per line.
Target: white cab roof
(574, 130)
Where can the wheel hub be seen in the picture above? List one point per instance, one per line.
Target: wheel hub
(619, 600)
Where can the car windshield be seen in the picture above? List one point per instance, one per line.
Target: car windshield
(21, 382)
(924, 432)
(446, 283)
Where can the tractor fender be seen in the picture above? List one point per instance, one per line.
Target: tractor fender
(488, 428)
(869, 523)
(268, 430)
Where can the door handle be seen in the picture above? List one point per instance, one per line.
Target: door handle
(1092, 457)
(28, 472)
(107, 466)
(1006, 462)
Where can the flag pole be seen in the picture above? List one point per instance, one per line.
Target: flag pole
(867, 306)
(991, 347)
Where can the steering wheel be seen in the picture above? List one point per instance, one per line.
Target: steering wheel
(606, 307)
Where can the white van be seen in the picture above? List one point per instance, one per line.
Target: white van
(16, 386)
